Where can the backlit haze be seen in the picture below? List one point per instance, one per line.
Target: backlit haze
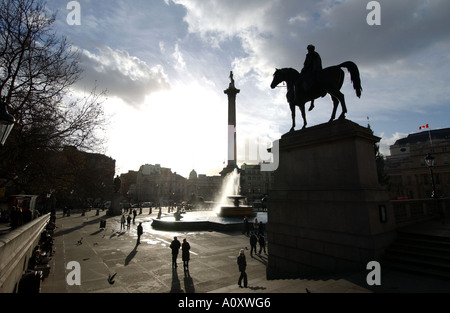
(165, 65)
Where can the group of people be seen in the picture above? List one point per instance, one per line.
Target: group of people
(175, 245)
(256, 235)
(127, 220)
(258, 227)
(38, 267)
(254, 240)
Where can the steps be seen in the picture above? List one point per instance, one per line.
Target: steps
(419, 253)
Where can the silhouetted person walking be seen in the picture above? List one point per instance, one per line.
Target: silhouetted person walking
(262, 244)
(175, 246)
(242, 264)
(140, 231)
(128, 221)
(185, 255)
(253, 243)
(122, 222)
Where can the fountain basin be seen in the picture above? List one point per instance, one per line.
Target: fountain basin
(237, 209)
(204, 221)
(233, 211)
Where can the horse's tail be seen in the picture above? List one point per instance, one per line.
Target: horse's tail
(354, 75)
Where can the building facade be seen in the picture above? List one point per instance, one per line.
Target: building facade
(159, 185)
(128, 185)
(255, 184)
(202, 187)
(409, 176)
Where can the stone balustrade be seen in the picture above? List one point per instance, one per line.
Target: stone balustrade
(16, 248)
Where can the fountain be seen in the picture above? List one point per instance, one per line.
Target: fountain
(230, 211)
(230, 203)
(227, 216)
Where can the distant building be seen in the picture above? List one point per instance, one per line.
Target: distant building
(203, 187)
(159, 185)
(128, 185)
(255, 184)
(409, 176)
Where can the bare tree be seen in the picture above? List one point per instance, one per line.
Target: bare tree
(37, 70)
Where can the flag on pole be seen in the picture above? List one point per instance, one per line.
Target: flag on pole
(429, 132)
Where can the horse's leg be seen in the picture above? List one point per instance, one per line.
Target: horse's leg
(335, 105)
(312, 105)
(338, 94)
(302, 109)
(341, 98)
(292, 105)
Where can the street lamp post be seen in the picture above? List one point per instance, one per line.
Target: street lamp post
(6, 122)
(430, 161)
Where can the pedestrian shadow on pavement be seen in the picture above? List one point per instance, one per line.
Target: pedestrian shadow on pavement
(131, 255)
(69, 230)
(261, 258)
(176, 286)
(188, 282)
(96, 232)
(117, 233)
(255, 288)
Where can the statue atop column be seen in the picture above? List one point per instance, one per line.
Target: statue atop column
(232, 80)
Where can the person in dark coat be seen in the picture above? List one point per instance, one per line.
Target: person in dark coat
(253, 243)
(242, 264)
(128, 221)
(140, 231)
(175, 246)
(262, 244)
(134, 215)
(185, 256)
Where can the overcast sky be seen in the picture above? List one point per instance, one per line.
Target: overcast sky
(165, 65)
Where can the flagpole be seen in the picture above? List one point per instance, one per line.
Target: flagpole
(429, 135)
(429, 132)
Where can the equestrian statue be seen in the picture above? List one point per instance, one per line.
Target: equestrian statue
(314, 82)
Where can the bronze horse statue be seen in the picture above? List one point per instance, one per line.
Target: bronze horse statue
(329, 80)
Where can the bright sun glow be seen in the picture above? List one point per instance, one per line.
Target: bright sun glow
(182, 129)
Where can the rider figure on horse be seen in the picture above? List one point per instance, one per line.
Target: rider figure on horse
(312, 65)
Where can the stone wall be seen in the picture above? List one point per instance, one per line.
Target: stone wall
(16, 248)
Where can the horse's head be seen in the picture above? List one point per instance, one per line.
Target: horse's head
(288, 75)
(278, 77)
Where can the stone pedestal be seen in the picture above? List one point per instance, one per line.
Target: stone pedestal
(116, 208)
(327, 212)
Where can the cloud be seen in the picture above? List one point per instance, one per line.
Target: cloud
(387, 142)
(409, 48)
(277, 32)
(179, 59)
(124, 76)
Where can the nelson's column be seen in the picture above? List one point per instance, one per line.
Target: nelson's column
(231, 92)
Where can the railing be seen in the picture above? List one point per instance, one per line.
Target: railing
(15, 249)
(417, 210)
